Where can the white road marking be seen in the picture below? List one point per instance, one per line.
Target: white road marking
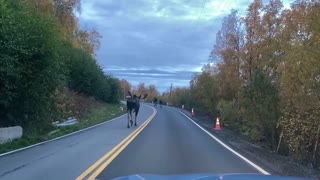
(202, 177)
(229, 148)
(140, 177)
(44, 142)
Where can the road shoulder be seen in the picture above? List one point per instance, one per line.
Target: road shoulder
(268, 160)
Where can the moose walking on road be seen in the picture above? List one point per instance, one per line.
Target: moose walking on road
(155, 101)
(133, 105)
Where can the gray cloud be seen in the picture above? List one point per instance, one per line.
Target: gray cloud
(171, 38)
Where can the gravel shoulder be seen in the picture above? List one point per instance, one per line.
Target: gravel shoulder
(271, 161)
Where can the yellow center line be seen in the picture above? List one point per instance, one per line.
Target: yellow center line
(91, 168)
(103, 158)
(105, 164)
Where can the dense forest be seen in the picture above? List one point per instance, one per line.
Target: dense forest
(45, 57)
(264, 77)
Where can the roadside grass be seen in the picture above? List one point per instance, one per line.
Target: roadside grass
(95, 116)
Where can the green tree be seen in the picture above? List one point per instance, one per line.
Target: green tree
(30, 67)
(39, 56)
(261, 108)
(85, 76)
(203, 89)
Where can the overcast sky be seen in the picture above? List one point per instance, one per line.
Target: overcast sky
(156, 41)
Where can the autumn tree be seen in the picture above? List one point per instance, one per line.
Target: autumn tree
(125, 87)
(64, 11)
(141, 89)
(228, 47)
(279, 82)
(166, 97)
(179, 96)
(88, 40)
(299, 80)
(260, 101)
(41, 6)
(270, 45)
(151, 90)
(266, 78)
(152, 93)
(229, 73)
(253, 37)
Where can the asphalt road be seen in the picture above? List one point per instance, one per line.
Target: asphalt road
(172, 144)
(67, 158)
(169, 144)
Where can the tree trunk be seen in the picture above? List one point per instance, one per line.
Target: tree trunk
(314, 158)
(280, 139)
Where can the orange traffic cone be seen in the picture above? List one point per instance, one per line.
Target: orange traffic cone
(192, 112)
(217, 124)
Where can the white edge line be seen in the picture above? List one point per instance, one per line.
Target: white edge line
(229, 148)
(202, 177)
(137, 175)
(44, 142)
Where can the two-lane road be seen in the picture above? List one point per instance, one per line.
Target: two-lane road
(170, 144)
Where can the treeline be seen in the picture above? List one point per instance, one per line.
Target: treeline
(43, 51)
(141, 89)
(265, 80)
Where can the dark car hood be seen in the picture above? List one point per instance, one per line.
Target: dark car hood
(209, 176)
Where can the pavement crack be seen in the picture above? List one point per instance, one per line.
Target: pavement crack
(13, 170)
(47, 155)
(24, 165)
(73, 144)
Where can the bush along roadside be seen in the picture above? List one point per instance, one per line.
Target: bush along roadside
(37, 63)
(95, 116)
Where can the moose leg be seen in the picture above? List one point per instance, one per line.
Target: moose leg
(128, 118)
(135, 118)
(131, 122)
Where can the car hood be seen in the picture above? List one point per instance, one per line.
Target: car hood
(209, 176)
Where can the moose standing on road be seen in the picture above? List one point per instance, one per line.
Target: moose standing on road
(133, 105)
